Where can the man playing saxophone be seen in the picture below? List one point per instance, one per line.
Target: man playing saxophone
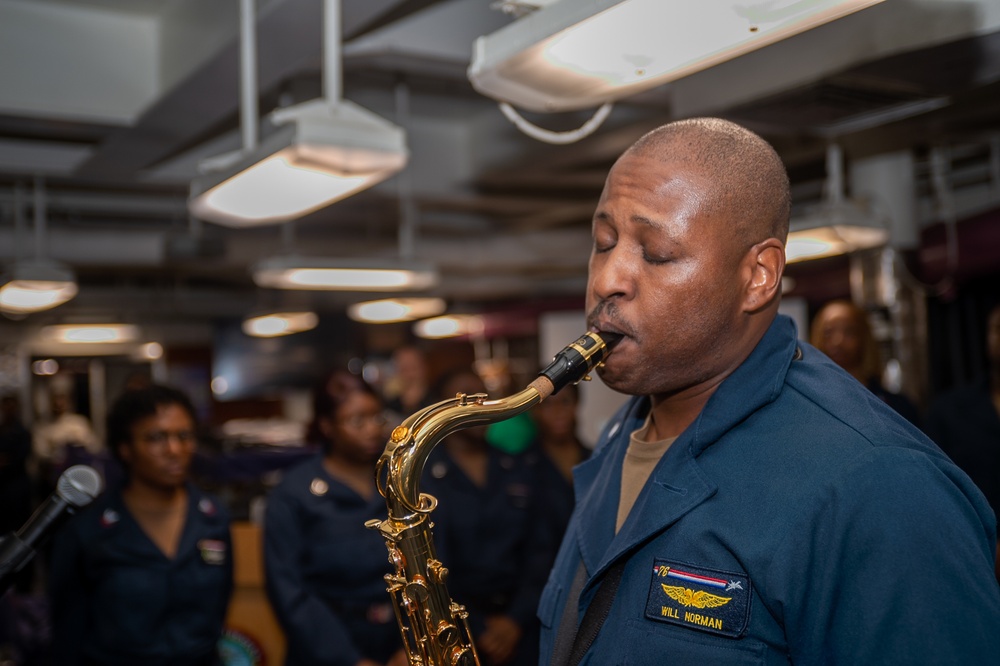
(753, 503)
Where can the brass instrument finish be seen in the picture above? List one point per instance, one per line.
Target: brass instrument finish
(435, 628)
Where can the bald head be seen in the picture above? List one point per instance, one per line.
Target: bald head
(749, 183)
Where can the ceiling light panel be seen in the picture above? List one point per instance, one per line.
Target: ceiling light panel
(323, 153)
(573, 55)
(276, 324)
(395, 310)
(311, 273)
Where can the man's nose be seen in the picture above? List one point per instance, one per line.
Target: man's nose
(612, 275)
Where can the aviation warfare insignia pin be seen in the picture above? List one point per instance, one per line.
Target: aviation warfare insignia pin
(698, 598)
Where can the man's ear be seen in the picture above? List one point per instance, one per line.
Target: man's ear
(765, 264)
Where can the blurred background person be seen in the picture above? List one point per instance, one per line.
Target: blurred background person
(144, 574)
(965, 423)
(324, 569)
(559, 450)
(841, 331)
(22, 636)
(62, 439)
(15, 447)
(515, 434)
(489, 533)
(408, 388)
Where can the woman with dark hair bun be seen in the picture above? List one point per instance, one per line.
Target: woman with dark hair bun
(324, 569)
(144, 574)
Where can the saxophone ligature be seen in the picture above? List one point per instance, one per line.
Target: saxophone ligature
(434, 627)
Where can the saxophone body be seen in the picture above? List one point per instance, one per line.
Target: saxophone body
(434, 627)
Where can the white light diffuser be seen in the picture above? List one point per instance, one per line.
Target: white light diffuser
(573, 54)
(391, 310)
(313, 273)
(449, 326)
(831, 229)
(274, 324)
(324, 152)
(90, 333)
(33, 286)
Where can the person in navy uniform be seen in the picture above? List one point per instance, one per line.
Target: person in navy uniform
(754, 502)
(324, 569)
(841, 331)
(556, 450)
(965, 422)
(144, 574)
(490, 534)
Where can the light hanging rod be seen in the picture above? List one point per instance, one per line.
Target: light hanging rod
(834, 174)
(407, 232)
(248, 75)
(332, 64)
(40, 215)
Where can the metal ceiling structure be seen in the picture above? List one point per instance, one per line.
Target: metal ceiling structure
(113, 103)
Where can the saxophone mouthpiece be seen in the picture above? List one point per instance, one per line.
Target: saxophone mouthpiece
(610, 339)
(575, 361)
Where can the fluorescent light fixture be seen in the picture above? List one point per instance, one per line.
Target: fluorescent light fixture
(343, 274)
(32, 286)
(449, 326)
(392, 310)
(572, 55)
(90, 333)
(275, 324)
(323, 152)
(830, 229)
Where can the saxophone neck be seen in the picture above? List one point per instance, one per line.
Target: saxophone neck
(411, 442)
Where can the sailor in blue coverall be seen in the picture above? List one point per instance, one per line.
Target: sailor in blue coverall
(324, 569)
(839, 536)
(793, 517)
(119, 601)
(489, 532)
(144, 574)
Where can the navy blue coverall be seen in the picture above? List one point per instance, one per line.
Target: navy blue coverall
(493, 540)
(324, 570)
(797, 520)
(117, 600)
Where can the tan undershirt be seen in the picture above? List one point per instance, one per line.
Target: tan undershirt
(640, 459)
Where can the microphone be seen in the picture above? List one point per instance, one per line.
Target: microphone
(77, 487)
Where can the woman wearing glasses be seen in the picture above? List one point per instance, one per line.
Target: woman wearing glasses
(324, 569)
(144, 574)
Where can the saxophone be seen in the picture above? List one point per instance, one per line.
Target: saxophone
(435, 628)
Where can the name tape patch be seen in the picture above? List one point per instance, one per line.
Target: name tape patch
(698, 598)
